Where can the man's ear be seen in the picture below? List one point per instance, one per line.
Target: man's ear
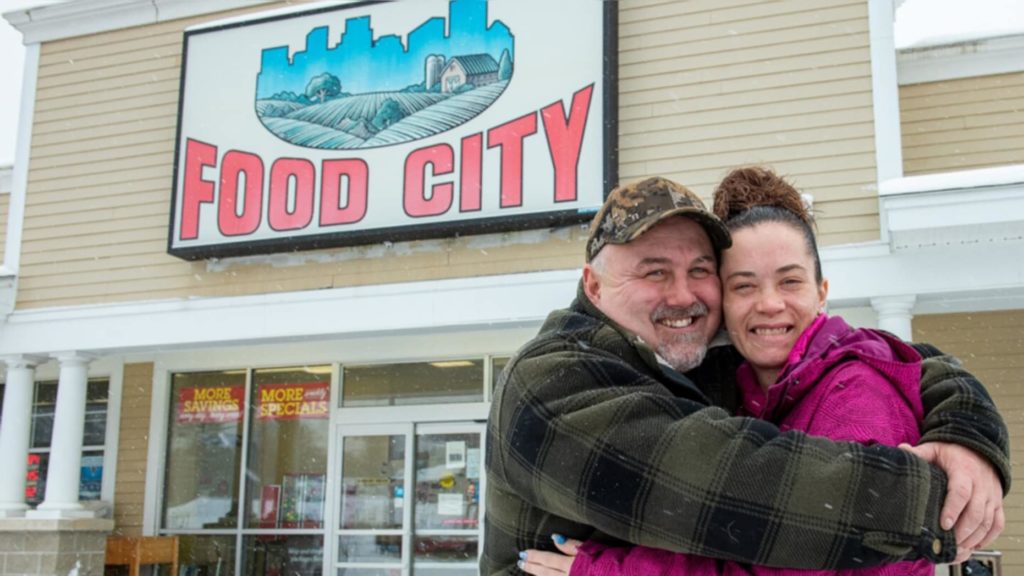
(591, 284)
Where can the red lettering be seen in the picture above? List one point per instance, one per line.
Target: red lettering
(284, 171)
(195, 190)
(231, 221)
(565, 138)
(356, 174)
(441, 159)
(509, 137)
(470, 177)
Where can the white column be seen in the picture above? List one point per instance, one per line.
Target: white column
(895, 314)
(15, 427)
(65, 468)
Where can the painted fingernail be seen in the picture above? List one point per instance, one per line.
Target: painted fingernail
(558, 538)
(522, 555)
(521, 565)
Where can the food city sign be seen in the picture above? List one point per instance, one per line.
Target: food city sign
(384, 121)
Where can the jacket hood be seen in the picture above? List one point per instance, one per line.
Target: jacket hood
(831, 342)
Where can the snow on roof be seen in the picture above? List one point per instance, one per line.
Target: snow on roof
(978, 178)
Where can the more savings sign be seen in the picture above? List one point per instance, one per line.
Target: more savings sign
(385, 121)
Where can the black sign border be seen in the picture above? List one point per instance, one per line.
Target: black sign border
(437, 230)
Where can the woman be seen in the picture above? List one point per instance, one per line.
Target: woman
(804, 370)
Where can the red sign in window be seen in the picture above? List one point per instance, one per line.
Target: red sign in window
(292, 401)
(210, 404)
(32, 478)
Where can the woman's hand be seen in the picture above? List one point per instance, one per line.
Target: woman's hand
(541, 563)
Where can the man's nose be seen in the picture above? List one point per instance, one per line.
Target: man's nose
(679, 294)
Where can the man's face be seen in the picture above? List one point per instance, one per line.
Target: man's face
(663, 287)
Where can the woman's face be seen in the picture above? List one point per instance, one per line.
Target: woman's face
(770, 294)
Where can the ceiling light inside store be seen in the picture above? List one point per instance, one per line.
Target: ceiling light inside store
(452, 364)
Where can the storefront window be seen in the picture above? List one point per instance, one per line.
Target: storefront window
(206, 555)
(287, 461)
(438, 382)
(497, 365)
(93, 440)
(204, 455)
(406, 496)
(284, 555)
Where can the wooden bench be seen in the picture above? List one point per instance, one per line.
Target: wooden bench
(136, 551)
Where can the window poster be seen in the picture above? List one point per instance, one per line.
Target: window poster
(91, 480)
(455, 454)
(209, 404)
(296, 401)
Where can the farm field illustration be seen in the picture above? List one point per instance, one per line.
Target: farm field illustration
(367, 92)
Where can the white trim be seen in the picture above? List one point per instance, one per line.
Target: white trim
(946, 209)
(19, 176)
(461, 303)
(985, 57)
(5, 179)
(947, 279)
(156, 452)
(960, 180)
(110, 444)
(885, 91)
(70, 19)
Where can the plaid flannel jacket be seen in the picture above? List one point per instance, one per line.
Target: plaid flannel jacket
(590, 437)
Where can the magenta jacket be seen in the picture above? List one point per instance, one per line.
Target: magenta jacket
(846, 384)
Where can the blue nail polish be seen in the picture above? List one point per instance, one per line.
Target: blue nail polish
(558, 538)
(522, 555)
(521, 565)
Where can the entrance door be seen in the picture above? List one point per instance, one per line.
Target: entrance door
(408, 502)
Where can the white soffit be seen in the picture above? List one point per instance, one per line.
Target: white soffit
(965, 207)
(70, 19)
(414, 307)
(5, 179)
(1000, 55)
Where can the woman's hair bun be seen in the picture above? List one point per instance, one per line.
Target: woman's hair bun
(752, 186)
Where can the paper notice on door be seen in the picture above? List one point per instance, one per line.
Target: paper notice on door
(455, 454)
(473, 463)
(449, 504)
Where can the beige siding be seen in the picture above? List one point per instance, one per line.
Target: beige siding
(962, 124)
(707, 85)
(991, 346)
(704, 86)
(133, 443)
(100, 182)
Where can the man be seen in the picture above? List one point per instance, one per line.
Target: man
(595, 433)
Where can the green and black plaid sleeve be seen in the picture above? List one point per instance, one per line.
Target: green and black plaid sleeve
(958, 409)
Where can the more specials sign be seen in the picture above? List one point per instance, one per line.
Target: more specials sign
(292, 401)
(386, 121)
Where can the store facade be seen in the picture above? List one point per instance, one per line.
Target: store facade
(296, 377)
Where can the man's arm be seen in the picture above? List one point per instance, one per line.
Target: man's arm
(965, 436)
(587, 437)
(958, 410)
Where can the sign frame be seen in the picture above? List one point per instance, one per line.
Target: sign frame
(607, 101)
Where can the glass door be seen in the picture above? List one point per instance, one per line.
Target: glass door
(408, 502)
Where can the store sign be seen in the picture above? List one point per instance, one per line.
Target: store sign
(292, 401)
(210, 404)
(385, 121)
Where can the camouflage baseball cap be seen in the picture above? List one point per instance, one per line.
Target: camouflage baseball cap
(633, 209)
